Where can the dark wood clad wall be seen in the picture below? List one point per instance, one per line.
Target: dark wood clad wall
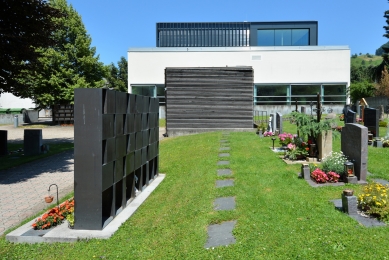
(209, 97)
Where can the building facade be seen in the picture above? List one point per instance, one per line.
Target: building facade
(287, 61)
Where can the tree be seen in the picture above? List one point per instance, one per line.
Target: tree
(70, 63)
(118, 76)
(383, 86)
(380, 50)
(24, 26)
(360, 90)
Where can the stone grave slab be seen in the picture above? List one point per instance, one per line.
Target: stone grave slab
(354, 146)
(220, 234)
(225, 203)
(223, 162)
(371, 120)
(224, 154)
(365, 221)
(224, 183)
(32, 141)
(224, 172)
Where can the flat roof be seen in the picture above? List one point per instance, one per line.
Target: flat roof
(239, 49)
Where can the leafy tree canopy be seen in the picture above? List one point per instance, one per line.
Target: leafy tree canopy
(24, 26)
(118, 76)
(70, 63)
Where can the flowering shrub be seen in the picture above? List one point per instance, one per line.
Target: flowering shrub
(285, 138)
(333, 176)
(54, 216)
(268, 133)
(374, 200)
(385, 143)
(334, 162)
(319, 176)
(341, 117)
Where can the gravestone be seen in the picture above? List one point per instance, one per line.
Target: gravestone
(302, 110)
(271, 125)
(324, 143)
(354, 147)
(3, 142)
(279, 122)
(351, 117)
(32, 141)
(382, 112)
(372, 119)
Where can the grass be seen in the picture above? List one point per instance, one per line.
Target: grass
(373, 60)
(279, 216)
(17, 159)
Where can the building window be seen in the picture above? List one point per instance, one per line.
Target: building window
(150, 91)
(283, 37)
(304, 94)
(271, 95)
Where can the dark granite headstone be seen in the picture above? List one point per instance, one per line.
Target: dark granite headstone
(302, 110)
(371, 121)
(3, 142)
(350, 117)
(32, 141)
(279, 126)
(354, 146)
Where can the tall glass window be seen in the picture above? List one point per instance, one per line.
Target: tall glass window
(300, 37)
(283, 37)
(265, 37)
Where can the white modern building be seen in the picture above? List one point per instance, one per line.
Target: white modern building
(288, 64)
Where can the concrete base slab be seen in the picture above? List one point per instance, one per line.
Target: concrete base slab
(220, 234)
(62, 233)
(223, 162)
(226, 203)
(222, 172)
(224, 154)
(384, 182)
(365, 220)
(224, 183)
(314, 184)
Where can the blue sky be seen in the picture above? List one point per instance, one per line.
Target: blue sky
(117, 25)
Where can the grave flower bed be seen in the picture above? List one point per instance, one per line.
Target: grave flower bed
(55, 216)
(374, 201)
(332, 167)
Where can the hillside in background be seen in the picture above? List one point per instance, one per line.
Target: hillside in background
(365, 60)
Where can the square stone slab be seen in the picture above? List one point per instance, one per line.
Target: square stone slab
(224, 141)
(220, 234)
(224, 183)
(223, 162)
(366, 221)
(226, 203)
(222, 172)
(224, 154)
(224, 148)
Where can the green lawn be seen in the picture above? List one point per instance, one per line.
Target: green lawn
(16, 159)
(279, 216)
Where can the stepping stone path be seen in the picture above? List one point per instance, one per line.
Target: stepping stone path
(221, 234)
